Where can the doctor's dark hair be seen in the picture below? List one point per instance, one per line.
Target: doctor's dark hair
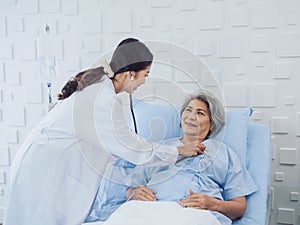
(130, 55)
(215, 110)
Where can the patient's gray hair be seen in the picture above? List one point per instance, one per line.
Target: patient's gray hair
(215, 108)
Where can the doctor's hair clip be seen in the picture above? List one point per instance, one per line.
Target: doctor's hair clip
(107, 69)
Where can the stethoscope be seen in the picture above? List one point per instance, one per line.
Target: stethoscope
(131, 105)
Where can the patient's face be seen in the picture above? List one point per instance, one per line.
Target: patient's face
(195, 119)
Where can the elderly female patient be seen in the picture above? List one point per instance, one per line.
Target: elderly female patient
(215, 181)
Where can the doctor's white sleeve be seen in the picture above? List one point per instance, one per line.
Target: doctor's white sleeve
(99, 122)
(118, 139)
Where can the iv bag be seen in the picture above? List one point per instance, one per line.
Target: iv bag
(47, 65)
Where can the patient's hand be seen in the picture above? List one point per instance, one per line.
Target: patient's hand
(141, 193)
(233, 208)
(199, 201)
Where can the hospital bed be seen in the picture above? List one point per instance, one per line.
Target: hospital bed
(250, 141)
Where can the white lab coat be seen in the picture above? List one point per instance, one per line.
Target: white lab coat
(56, 173)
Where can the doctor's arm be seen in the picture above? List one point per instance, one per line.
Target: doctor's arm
(233, 208)
(117, 138)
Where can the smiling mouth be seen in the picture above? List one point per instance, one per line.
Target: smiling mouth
(190, 124)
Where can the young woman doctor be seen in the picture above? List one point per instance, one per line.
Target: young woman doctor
(57, 171)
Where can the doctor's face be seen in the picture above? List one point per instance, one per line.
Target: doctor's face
(195, 120)
(138, 78)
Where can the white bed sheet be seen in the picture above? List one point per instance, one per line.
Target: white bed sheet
(159, 213)
(94, 223)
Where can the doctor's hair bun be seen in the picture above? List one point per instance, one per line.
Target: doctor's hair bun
(68, 89)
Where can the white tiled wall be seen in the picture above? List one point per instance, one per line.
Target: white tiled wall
(253, 47)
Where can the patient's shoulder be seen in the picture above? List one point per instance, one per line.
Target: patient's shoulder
(213, 144)
(225, 153)
(217, 151)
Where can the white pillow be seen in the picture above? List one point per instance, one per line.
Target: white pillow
(235, 131)
(156, 122)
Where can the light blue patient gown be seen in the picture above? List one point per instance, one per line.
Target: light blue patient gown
(217, 173)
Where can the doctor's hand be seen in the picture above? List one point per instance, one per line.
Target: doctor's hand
(192, 149)
(141, 193)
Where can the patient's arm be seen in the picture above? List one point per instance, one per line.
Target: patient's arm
(233, 208)
(141, 193)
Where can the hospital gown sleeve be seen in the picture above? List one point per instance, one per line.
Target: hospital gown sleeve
(112, 191)
(111, 195)
(238, 181)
